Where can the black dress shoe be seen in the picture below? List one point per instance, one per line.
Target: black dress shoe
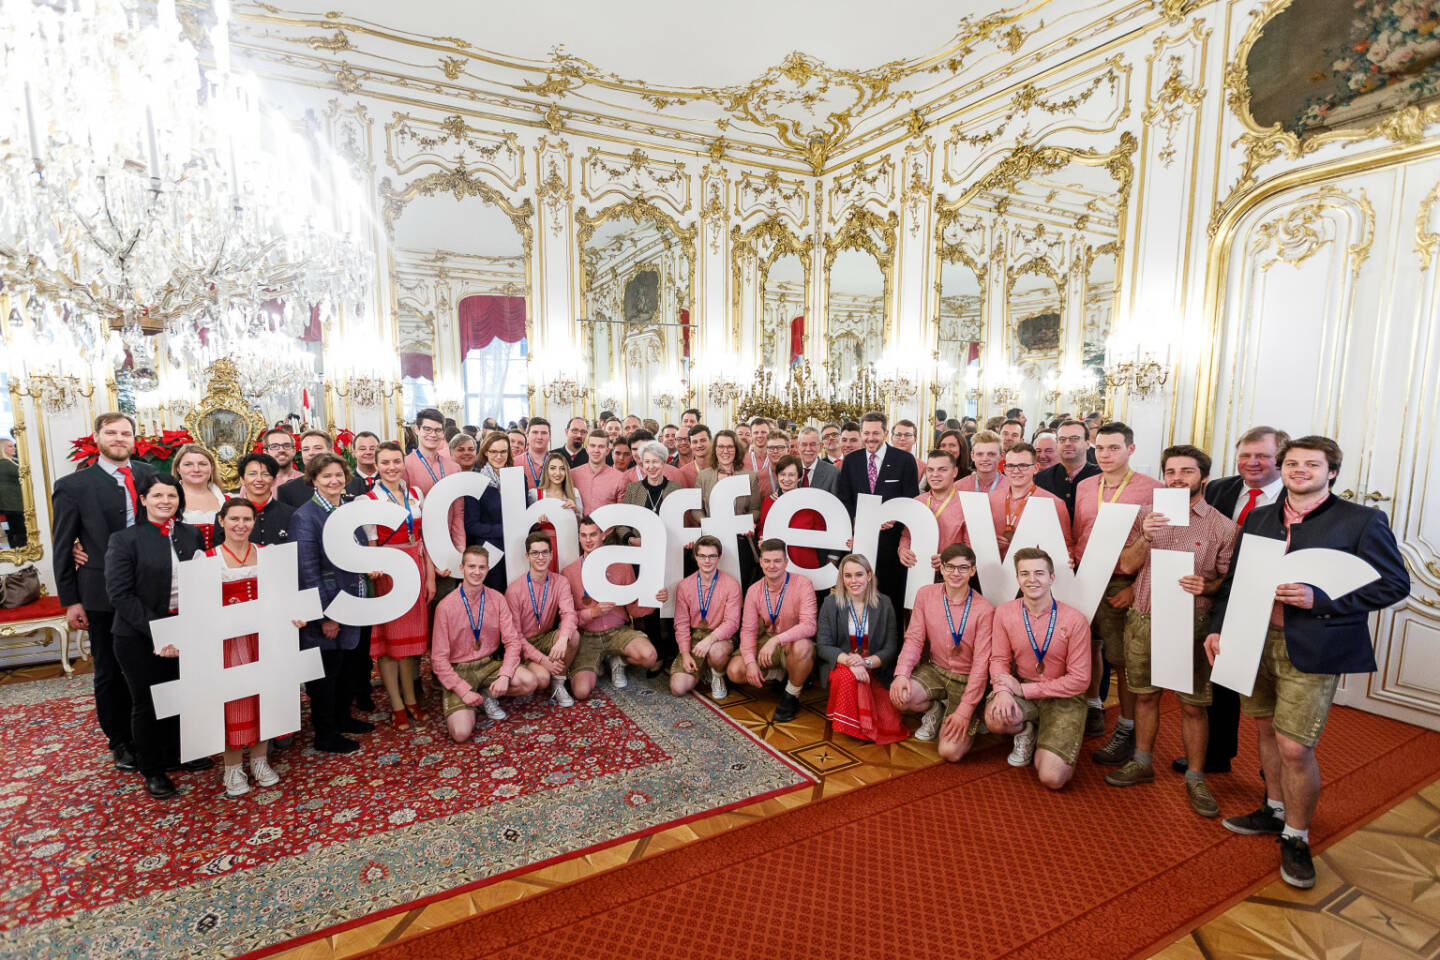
(788, 708)
(354, 725)
(335, 744)
(158, 785)
(281, 743)
(190, 766)
(125, 760)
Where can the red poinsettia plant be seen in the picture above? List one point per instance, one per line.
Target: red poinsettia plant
(157, 450)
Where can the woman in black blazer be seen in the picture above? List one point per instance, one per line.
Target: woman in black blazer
(143, 583)
(857, 640)
(483, 521)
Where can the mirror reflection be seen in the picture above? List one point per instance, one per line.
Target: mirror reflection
(855, 308)
(784, 312)
(12, 496)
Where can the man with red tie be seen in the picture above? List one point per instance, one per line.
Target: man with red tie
(888, 473)
(90, 505)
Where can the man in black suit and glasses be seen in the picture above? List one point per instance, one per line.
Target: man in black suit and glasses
(890, 473)
(90, 505)
(1258, 483)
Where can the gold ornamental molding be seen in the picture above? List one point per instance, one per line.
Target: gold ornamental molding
(1299, 233)
(1404, 125)
(224, 421)
(953, 251)
(773, 195)
(867, 232)
(1040, 266)
(1427, 242)
(412, 142)
(460, 183)
(34, 549)
(638, 209)
(603, 173)
(771, 233)
(1027, 161)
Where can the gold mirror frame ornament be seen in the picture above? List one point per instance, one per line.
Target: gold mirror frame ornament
(33, 549)
(1403, 125)
(222, 395)
(855, 233)
(783, 242)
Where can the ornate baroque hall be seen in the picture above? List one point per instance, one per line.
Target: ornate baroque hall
(569, 481)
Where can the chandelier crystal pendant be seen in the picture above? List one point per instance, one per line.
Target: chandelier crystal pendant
(142, 191)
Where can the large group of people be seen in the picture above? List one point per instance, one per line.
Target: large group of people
(1028, 666)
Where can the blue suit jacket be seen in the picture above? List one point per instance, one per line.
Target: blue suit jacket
(316, 570)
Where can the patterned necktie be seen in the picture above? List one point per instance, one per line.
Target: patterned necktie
(872, 473)
(805, 480)
(1249, 505)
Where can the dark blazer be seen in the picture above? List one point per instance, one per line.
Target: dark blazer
(271, 525)
(826, 476)
(316, 570)
(581, 456)
(1334, 635)
(634, 495)
(1224, 493)
(89, 506)
(1056, 479)
(896, 476)
(295, 492)
(359, 486)
(832, 635)
(484, 524)
(137, 573)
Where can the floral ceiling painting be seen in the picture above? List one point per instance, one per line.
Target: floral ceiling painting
(1337, 64)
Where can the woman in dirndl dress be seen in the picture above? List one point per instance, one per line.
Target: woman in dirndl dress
(857, 638)
(400, 643)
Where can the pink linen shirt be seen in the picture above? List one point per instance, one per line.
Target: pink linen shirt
(418, 478)
(794, 621)
(949, 517)
(1137, 491)
(559, 605)
(1210, 537)
(590, 621)
(452, 641)
(597, 488)
(534, 466)
(1067, 662)
(929, 629)
(724, 619)
(997, 513)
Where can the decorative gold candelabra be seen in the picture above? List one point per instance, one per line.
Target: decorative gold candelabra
(366, 391)
(55, 392)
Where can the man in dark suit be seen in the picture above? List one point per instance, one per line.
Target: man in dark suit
(816, 471)
(1258, 483)
(1318, 638)
(367, 444)
(90, 505)
(576, 429)
(296, 492)
(890, 473)
(1073, 441)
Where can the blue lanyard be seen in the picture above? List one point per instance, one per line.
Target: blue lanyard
(861, 623)
(475, 624)
(705, 598)
(1049, 632)
(956, 636)
(544, 597)
(405, 491)
(429, 469)
(534, 474)
(775, 610)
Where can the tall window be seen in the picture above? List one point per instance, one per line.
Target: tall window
(418, 393)
(495, 382)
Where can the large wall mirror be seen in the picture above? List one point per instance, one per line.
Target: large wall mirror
(21, 537)
(858, 261)
(960, 310)
(462, 294)
(785, 286)
(637, 267)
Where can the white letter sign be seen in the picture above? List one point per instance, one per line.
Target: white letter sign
(830, 540)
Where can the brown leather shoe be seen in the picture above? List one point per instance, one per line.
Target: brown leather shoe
(1202, 801)
(1130, 774)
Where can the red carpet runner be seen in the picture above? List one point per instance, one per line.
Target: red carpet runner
(975, 860)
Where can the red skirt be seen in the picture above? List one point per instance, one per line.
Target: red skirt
(242, 717)
(409, 635)
(863, 710)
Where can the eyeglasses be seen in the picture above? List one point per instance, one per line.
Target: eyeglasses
(432, 429)
(538, 553)
(279, 446)
(1019, 466)
(707, 556)
(956, 567)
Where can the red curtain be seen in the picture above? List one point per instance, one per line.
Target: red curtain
(974, 352)
(487, 318)
(418, 365)
(797, 340)
(685, 332)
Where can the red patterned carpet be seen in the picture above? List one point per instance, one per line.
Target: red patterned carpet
(974, 860)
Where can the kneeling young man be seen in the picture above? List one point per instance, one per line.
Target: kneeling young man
(777, 631)
(544, 609)
(953, 622)
(605, 631)
(707, 617)
(471, 624)
(1040, 669)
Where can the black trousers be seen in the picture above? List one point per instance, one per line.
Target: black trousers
(357, 667)
(1224, 712)
(112, 694)
(16, 533)
(331, 695)
(156, 742)
(890, 573)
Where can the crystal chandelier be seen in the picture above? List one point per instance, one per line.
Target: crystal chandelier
(142, 193)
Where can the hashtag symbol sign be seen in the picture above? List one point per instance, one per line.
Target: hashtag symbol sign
(199, 632)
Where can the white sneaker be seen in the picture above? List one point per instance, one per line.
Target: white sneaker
(617, 673)
(930, 722)
(1024, 748)
(718, 689)
(236, 784)
(265, 774)
(559, 694)
(493, 710)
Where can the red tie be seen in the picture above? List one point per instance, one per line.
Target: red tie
(130, 486)
(805, 480)
(1249, 505)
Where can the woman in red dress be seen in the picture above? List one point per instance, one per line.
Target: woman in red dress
(238, 557)
(399, 644)
(857, 641)
(788, 471)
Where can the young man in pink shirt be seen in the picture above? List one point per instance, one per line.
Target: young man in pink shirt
(707, 617)
(605, 631)
(985, 454)
(700, 452)
(939, 498)
(1007, 503)
(597, 483)
(429, 462)
(1210, 537)
(1117, 482)
(777, 631)
(544, 610)
(953, 623)
(1039, 667)
(537, 445)
(472, 623)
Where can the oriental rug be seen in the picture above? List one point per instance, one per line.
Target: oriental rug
(95, 868)
(974, 860)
